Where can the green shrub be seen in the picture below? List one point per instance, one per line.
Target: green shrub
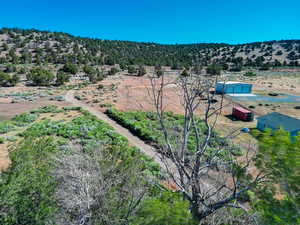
(214, 69)
(12, 138)
(236, 68)
(48, 109)
(146, 126)
(100, 86)
(94, 75)
(185, 73)
(264, 67)
(27, 188)
(236, 150)
(70, 68)
(167, 208)
(78, 97)
(39, 76)
(113, 71)
(249, 74)
(176, 66)
(106, 105)
(7, 80)
(2, 140)
(88, 127)
(72, 108)
(4, 78)
(278, 158)
(11, 68)
(62, 78)
(131, 70)
(5, 127)
(22, 70)
(256, 133)
(26, 118)
(88, 69)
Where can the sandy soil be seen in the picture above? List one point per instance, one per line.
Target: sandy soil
(131, 93)
(9, 109)
(287, 85)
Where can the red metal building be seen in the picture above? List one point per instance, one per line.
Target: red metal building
(242, 114)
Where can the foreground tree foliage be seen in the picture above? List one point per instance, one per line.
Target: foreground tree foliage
(279, 199)
(25, 191)
(166, 209)
(82, 172)
(40, 76)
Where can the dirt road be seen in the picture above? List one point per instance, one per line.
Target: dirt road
(133, 140)
(166, 164)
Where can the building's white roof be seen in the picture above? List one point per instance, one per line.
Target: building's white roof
(231, 82)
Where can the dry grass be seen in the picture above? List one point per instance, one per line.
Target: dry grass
(4, 157)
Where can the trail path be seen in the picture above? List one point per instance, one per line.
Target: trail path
(133, 140)
(148, 150)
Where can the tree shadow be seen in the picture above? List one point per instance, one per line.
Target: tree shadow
(231, 117)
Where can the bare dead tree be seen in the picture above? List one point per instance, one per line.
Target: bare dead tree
(209, 176)
(95, 188)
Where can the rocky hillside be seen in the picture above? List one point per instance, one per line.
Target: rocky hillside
(20, 46)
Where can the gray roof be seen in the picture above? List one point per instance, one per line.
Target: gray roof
(278, 120)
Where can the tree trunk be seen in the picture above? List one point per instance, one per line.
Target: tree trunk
(195, 212)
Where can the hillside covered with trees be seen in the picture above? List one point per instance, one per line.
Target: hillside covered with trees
(19, 46)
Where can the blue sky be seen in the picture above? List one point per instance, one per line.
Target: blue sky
(162, 21)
